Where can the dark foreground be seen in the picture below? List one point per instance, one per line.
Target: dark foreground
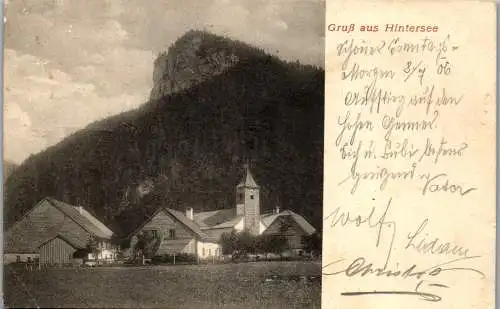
(270, 285)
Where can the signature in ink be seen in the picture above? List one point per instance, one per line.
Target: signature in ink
(361, 267)
(338, 218)
(420, 242)
(440, 183)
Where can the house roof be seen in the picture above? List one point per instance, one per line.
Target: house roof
(76, 242)
(97, 223)
(226, 218)
(82, 218)
(214, 235)
(187, 222)
(268, 219)
(228, 224)
(179, 216)
(31, 242)
(210, 219)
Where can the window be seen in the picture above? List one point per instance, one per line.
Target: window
(171, 233)
(203, 252)
(154, 233)
(209, 252)
(18, 258)
(241, 197)
(251, 196)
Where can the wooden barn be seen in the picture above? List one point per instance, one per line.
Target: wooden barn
(56, 231)
(290, 225)
(59, 250)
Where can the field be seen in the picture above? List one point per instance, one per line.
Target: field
(270, 285)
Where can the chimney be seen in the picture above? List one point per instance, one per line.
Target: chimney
(80, 210)
(277, 210)
(189, 213)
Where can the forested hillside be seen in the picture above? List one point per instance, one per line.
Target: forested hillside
(187, 145)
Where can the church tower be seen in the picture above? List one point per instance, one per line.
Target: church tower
(248, 202)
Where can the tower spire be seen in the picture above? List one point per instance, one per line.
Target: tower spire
(248, 180)
(248, 201)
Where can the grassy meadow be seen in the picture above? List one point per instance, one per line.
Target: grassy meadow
(256, 285)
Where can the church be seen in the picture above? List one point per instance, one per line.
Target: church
(199, 233)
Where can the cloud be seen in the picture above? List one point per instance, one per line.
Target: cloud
(44, 104)
(68, 63)
(20, 138)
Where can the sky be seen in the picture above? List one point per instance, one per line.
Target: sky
(68, 63)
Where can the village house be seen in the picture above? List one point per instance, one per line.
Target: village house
(55, 232)
(200, 233)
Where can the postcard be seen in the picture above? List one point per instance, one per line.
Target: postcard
(249, 154)
(163, 154)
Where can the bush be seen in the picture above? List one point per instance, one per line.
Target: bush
(181, 258)
(242, 244)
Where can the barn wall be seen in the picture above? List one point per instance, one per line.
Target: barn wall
(162, 222)
(56, 251)
(45, 220)
(23, 257)
(32, 229)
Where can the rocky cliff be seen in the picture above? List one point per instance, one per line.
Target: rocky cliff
(216, 102)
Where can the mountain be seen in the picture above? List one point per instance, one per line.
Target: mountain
(193, 58)
(186, 146)
(8, 168)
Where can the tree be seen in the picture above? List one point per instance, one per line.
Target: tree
(277, 244)
(312, 243)
(264, 244)
(228, 242)
(246, 242)
(147, 244)
(243, 243)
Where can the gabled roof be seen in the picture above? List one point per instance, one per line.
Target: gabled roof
(82, 218)
(248, 180)
(268, 219)
(179, 216)
(209, 219)
(214, 235)
(228, 224)
(187, 222)
(97, 223)
(73, 241)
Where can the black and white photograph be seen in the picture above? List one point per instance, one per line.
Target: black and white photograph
(163, 153)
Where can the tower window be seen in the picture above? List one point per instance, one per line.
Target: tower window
(241, 197)
(251, 196)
